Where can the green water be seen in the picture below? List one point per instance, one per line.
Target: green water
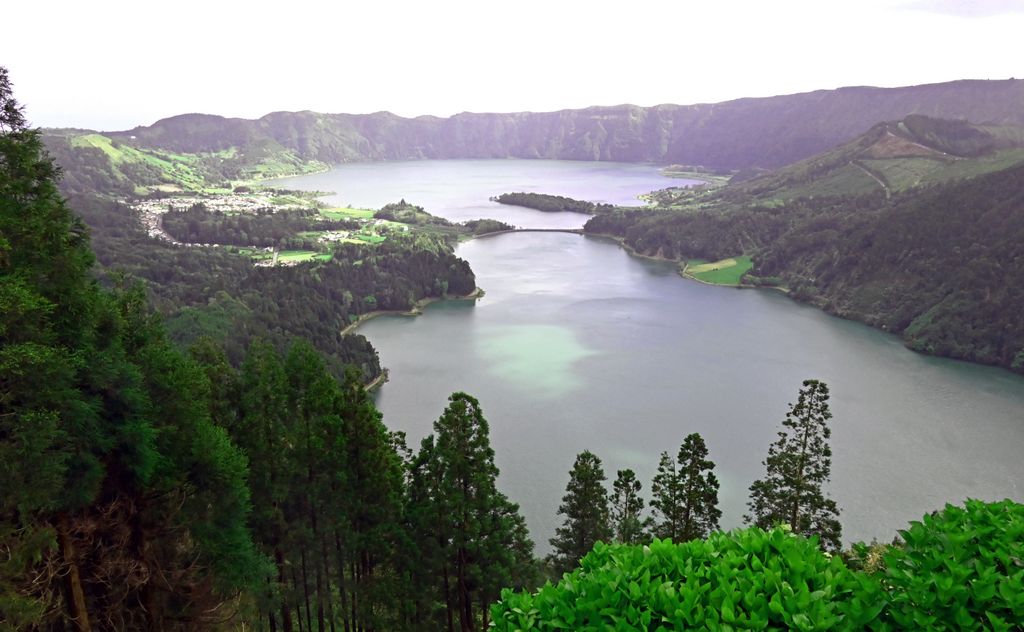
(577, 345)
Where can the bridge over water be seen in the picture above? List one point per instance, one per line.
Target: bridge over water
(574, 231)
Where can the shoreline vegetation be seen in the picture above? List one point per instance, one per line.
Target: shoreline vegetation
(416, 309)
(683, 265)
(548, 203)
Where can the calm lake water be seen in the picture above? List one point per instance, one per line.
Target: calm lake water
(578, 345)
(461, 189)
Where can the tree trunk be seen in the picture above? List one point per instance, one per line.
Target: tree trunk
(286, 614)
(328, 599)
(77, 610)
(342, 597)
(320, 623)
(298, 605)
(465, 602)
(305, 590)
(448, 600)
(799, 483)
(352, 597)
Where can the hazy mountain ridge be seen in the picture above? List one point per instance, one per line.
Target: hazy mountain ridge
(753, 132)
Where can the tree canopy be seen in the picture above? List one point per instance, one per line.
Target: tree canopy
(798, 467)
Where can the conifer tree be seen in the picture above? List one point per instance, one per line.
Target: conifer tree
(468, 495)
(626, 507)
(667, 500)
(46, 307)
(371, 496)
(313, 395)
(424, 562)
(265, 434)
(585, 507)
(798, 466)
(121, 501)
(686, 493)
(469, 540)
(700, 488)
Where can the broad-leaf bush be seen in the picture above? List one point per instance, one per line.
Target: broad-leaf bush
(745, 579)
(962, 567)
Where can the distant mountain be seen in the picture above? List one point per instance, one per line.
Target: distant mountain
(758, 132)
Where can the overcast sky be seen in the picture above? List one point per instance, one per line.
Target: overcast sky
(113, 65)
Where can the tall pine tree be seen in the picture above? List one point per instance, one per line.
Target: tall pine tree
(626, 508)
(798, 466)
(587, 517)
(685, 493)
(480, 526)
(122, 502)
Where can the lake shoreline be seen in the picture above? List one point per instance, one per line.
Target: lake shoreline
(682, 271)
(416, 310)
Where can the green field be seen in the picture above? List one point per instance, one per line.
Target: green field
(256, 254)
(725, 272)
(347, 213)
(288, 256)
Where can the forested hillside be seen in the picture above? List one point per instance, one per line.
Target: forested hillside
(761, 132)
(148, 489)
(213, 292)
(936, 262)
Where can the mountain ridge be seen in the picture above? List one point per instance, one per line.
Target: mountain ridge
(749, 132)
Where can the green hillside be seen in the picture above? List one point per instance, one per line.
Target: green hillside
(892, 157)
(933, 255)
(95, 162)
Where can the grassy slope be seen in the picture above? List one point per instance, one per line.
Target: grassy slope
(150, 168)
(724, 272)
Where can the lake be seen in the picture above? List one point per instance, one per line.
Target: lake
(579, 346)
(461, 189)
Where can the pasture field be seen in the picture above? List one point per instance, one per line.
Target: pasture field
(725, 272)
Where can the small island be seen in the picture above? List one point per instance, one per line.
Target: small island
(552, 203)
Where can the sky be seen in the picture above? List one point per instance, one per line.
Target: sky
(116, 64)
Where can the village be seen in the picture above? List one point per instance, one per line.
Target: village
(151, 214)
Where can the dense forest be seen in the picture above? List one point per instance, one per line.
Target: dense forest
(263, 228)
(211, 292)
(552, 203)
(414, 215)
(936, 264)
(144, 488)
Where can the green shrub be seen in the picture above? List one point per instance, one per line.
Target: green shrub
(745, 579)
(960, 568)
